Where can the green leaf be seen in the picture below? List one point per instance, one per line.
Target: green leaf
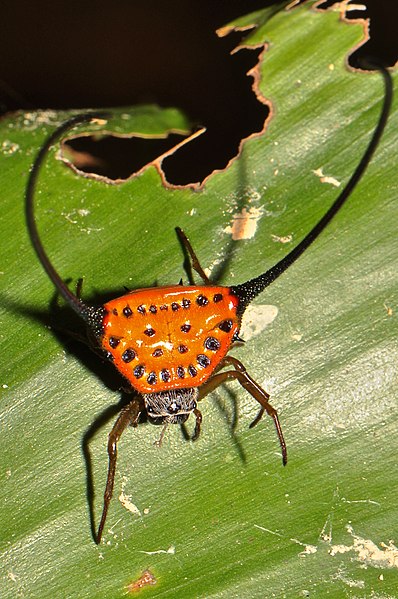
(221, 517)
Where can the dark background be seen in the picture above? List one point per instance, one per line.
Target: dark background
(69, 54)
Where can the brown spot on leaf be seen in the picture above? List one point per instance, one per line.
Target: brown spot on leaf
(146, 579)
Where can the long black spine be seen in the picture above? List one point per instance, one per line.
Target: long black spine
(246, 292)
(86, 312)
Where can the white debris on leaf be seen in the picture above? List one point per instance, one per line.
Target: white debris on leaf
(256, 318)
(325, 179)
(98, 121)
(350, 582)
(171, 550)
(126, 500)
(32, 120)
(297, 336)
(9, 148)
(244, 223)
(75, 218)
(282, 239)
(370, 554)
(308, 549)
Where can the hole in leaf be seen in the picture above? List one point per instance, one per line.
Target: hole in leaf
(116, 157)
(382, 30)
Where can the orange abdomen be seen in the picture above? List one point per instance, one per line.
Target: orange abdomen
(170, 337)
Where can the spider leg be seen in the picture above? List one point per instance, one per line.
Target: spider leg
(158, 442)
(79, 288)
(198, 424)
(241, 375)
(128, 415)
(188, 250)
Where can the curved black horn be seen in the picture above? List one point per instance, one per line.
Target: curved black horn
(83, 310)
(246, 292)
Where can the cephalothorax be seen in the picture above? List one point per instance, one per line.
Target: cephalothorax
(171, 343)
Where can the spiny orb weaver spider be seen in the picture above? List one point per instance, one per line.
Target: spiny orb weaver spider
(171, 343)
